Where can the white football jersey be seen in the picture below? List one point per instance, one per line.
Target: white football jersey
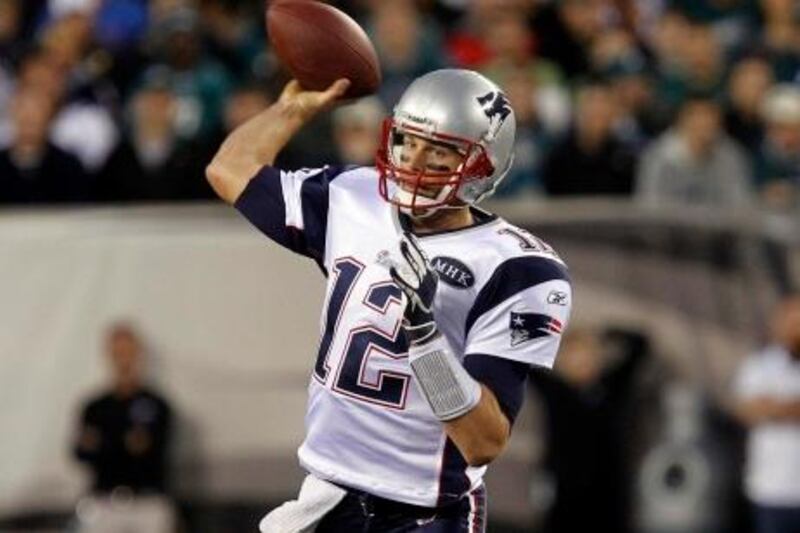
(503, 295)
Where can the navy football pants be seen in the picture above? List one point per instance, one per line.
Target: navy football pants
(360, 512)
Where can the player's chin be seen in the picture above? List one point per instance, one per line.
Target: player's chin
(422, 192)
(417, 211)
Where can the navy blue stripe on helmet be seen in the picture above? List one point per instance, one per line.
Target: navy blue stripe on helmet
(453, 480)
(511, 277)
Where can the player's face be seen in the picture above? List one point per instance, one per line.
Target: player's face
(124, 350)
(434, 159)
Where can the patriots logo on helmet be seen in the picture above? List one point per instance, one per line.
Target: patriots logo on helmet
(496, 108)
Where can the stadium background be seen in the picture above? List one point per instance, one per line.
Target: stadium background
(128, 99)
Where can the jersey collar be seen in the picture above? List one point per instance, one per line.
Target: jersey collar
(479, 217)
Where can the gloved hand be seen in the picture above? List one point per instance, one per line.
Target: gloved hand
(418, 282)
(447, 386)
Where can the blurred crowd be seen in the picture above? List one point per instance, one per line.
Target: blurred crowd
(665, 101)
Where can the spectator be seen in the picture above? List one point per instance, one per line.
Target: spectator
(468, 44)
(119, 29)
(39, 70)
(780, 36)
(778, 160)
(611, 47)
(590, 413)
(408, 45)
(200, 83)
(510, 57)
(93, 54)
(749, 81)
(591, 160)
(768, 391)
(695, 163)
(639, 121)
(699, 68)
(565, 31)
(528, 96)
(617, 55)
(67, 37)
(11, 45)
(510, 41)
(668, 41)
(730, 20)
(235, 37)
(10, 28)
(246, 102)
(357, 131)
(152, 162)
(84, 125)
(120, 25)
(159, 11)
(32, 170)
(123, 438)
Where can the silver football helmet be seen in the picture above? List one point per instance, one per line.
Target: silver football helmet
(463, 110)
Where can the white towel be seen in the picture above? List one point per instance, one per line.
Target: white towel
(316, 498)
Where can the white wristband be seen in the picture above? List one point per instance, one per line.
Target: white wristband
(450, 390)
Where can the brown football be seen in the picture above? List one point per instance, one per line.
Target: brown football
(319, 44)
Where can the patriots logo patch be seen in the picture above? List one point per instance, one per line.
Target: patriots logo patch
(528, 326)
(496, 108)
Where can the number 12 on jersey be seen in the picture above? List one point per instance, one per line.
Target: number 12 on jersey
(363, 342)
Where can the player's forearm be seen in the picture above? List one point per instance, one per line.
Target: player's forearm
(468, 410)
(482, 433)
(753, 411)
(258, 141)
(251, 146)
(765, 409)
(788, 411)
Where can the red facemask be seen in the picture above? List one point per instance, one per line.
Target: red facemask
(476, 165)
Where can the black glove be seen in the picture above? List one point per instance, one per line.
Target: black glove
(418, 282)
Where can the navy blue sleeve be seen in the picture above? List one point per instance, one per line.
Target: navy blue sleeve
(504, 377)
(511, 277)
(263, 204)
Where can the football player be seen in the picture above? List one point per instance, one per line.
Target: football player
(435, 309)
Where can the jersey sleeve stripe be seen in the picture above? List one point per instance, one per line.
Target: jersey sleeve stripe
(511, 277)
(292, 199)
(314, 200)
(291, 207)
(263, 205)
